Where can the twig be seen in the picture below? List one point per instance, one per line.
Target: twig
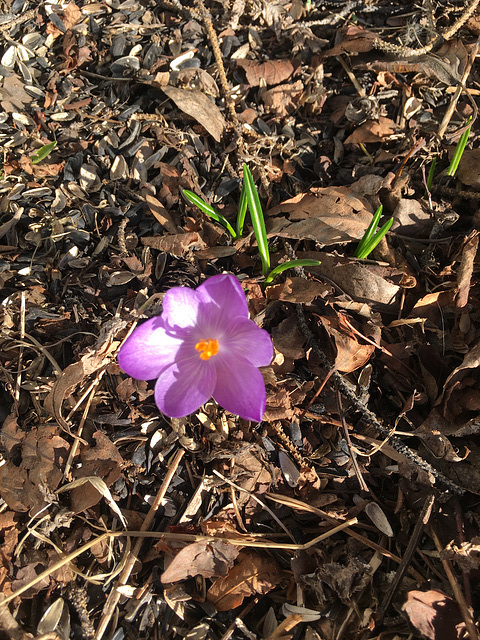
(353, 455)
(115, 594)
(258, 501)
(457, 592)
(448, 34)
(212, 36)
(368, 416)
(167, 535)
(423, 519)
(458, 92)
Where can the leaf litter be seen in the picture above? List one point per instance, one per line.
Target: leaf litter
(118, 522)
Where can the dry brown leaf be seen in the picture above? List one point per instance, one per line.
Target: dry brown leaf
(251, 470)
(270, 71)
(26, 486)
(411, 219)
(283, 100)
(328, 215)
(197, 79)
(253, 574)
(434, 615)
(43, 170)
(12, 94)
(210, 559)
(200, 108)
(71, 15)
(102, 460)
(372, 131)
(351, 355)
(465, 271)
(468, 170)
(364, 283)
(161, 214)
(466, 554)
(178, 244)
(296, 290)
(352, 39)
(288, 339)
(9, 532)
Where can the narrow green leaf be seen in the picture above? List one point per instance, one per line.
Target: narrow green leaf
(209, 211)
(242, 210)
(373, 242)
(431, 173)
(369, 232)
(457, 156)
(258, 220)
(290, 265)
(43, 152)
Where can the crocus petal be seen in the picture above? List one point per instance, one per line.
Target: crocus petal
(181, 307)
(224, 300)
(240, 388)
(149, 349)
(184, 387)
(243, 339)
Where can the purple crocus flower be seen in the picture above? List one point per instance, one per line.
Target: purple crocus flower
(203, 345)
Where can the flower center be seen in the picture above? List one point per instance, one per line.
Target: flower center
(207, 348)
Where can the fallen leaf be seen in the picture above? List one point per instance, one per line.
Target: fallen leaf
(200, 108)
(102, 460)
(372, 131)
(271, 71)
(328, 215)
(161, 214)
(283, 100)
(351, 355)
(362, 282)
(71, 15)
(296, 290)
(434, 615)
(352, 39)
(178, 244)
(253, 574)
(468, 170)
(210, 559)
(288, 339)
(12, 94)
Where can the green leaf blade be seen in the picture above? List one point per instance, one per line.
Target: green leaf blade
(258, 221)
(43, 152)
(209, 211)
(304, 262)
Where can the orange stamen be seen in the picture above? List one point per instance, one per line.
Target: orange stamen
(207, 348)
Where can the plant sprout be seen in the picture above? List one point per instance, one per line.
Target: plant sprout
(457, 156)
(249, 199)
(370, 241)
(43, 152)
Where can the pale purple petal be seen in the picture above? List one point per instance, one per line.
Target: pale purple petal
(181, 307)
(224, 301)
(185, 386)
(244, 339)
(149, 349)
(240, 389)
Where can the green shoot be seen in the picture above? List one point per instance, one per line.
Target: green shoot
(209, 211)
(43, 152)
(242, 210)
(431, 173)
(457, 156)
(290, 265)
(258, 221)
(370, 241)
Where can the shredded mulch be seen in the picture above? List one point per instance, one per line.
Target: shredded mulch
(351, 510)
